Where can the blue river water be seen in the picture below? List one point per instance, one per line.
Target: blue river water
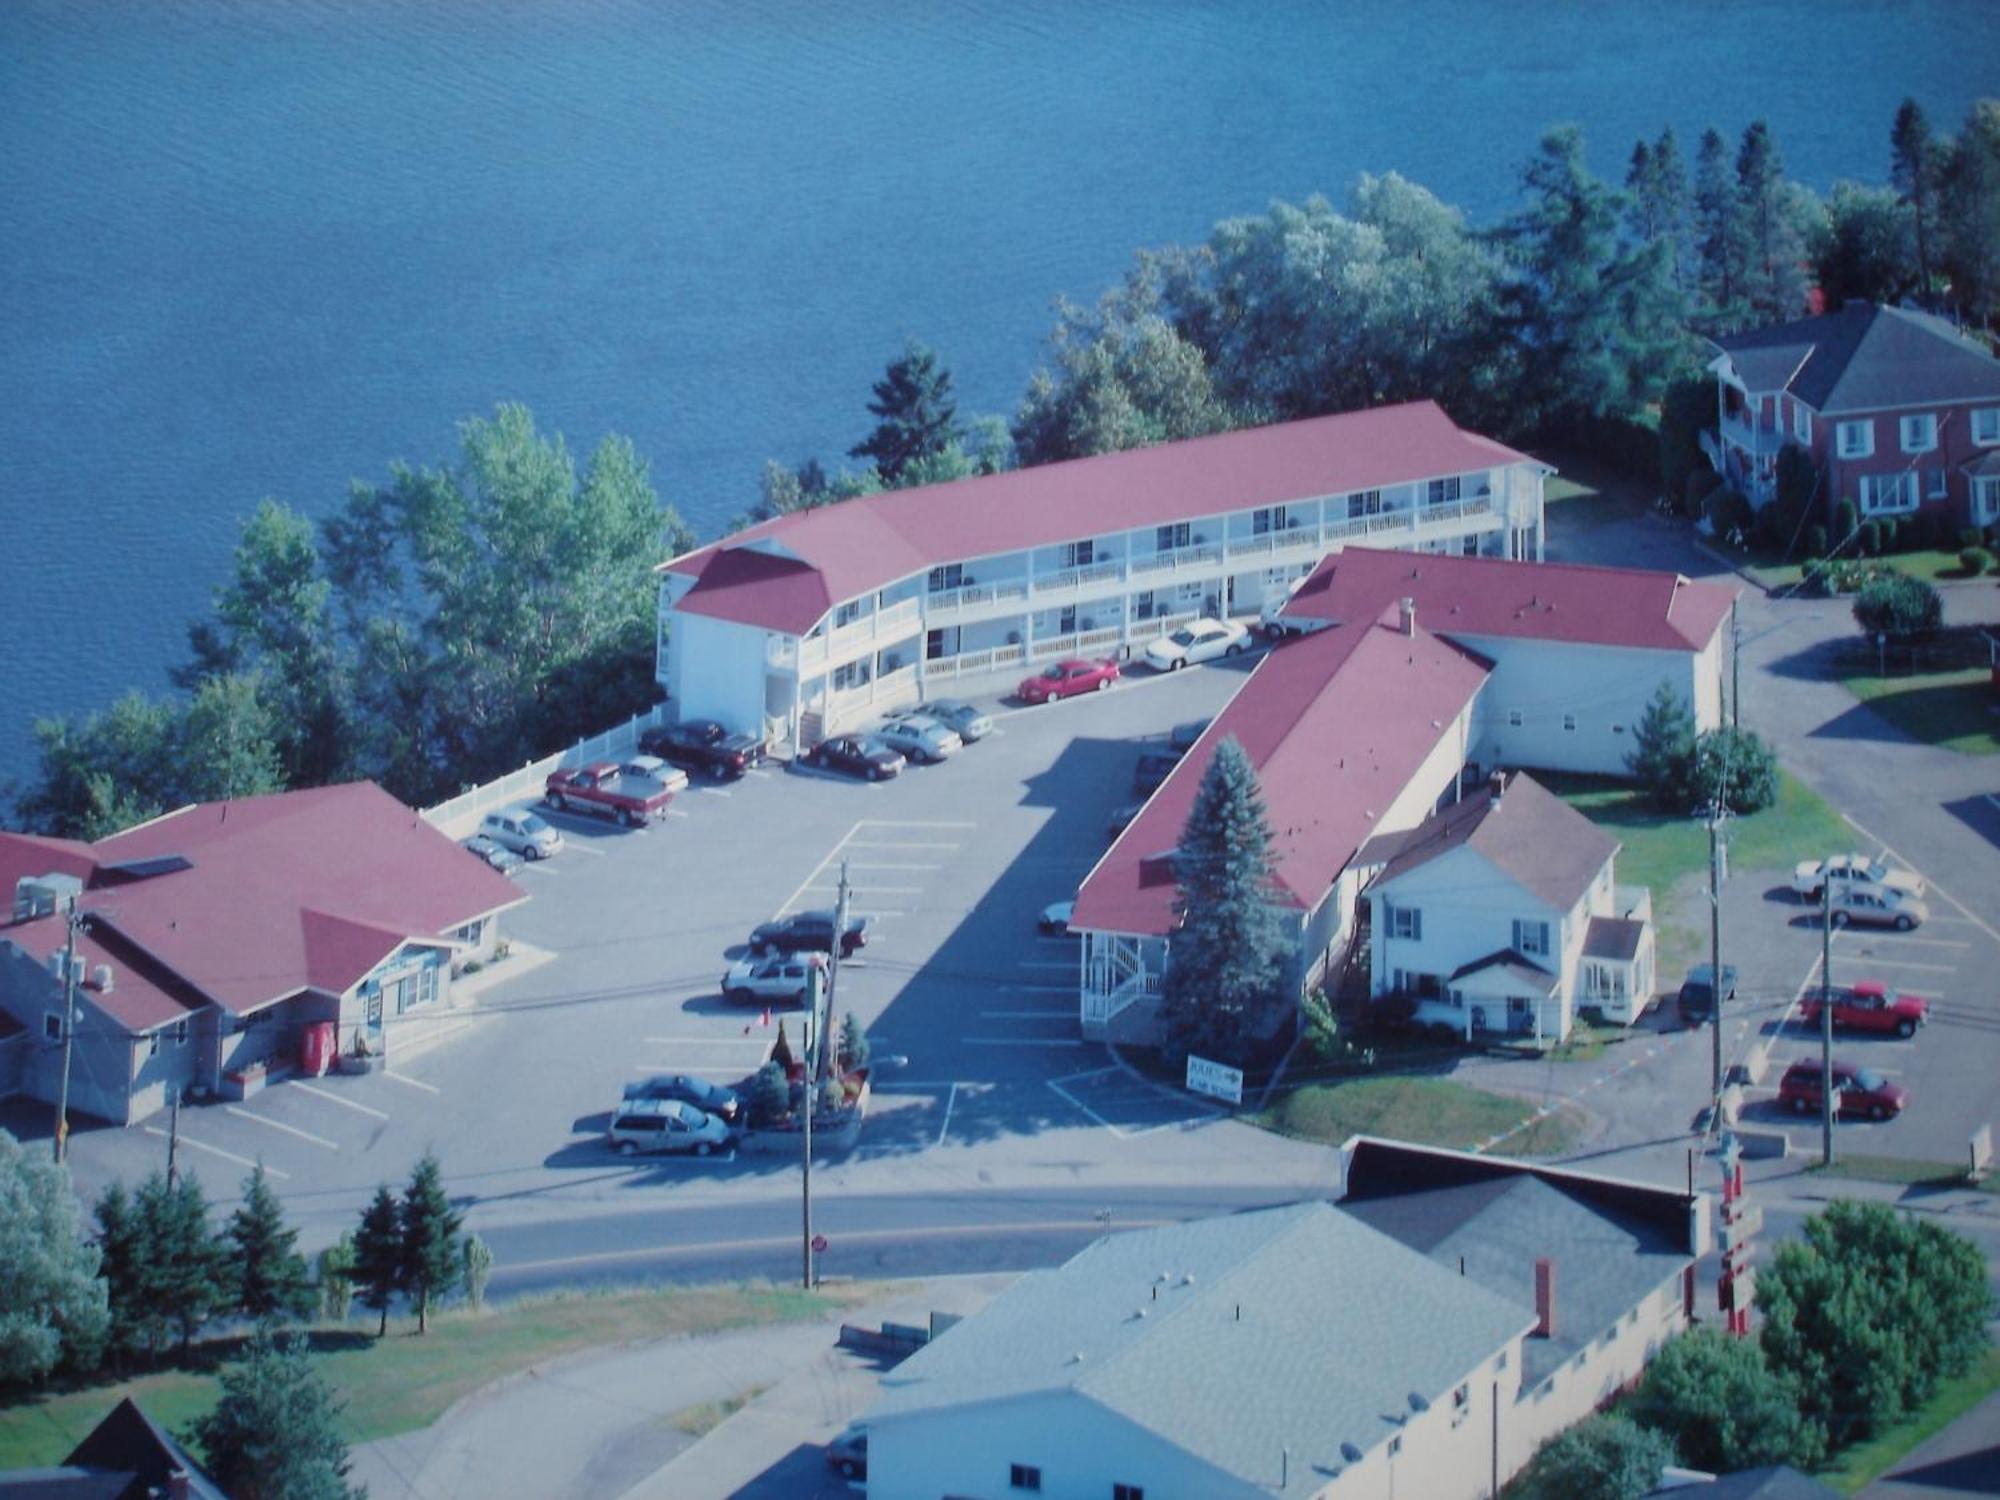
(258, 249)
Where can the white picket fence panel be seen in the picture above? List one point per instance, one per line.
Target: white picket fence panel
(458, 817)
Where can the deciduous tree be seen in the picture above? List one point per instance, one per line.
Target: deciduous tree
(1724, 1406)
(275, 1431)
(1735, 770)
(1606, 1458)
(1969, 211)
(1862, 251)
(336, 1279)
(52, 1302)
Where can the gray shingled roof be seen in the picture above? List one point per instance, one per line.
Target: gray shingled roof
(1516, 967)
(1862, 358)
(1272, 1330)
(1614, 938)
(1528, 832)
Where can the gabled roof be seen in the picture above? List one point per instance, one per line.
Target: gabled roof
(1613, 938)
(1862, 358)
(1161, 1325)
(127, 1456)
(1493, 596)
(1536, 839)
(857, 546)
(1336, 724)
(1509, 965)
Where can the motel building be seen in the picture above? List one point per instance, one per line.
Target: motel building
(817, 622)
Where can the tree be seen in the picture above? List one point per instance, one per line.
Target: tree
(1663, 747)
(1913, 170)
(1899, 606)
(184, 1281)
(431, 1257)
(917, 415)
(122, 1259)
(477, 1270)
(336, 1280)
(1656, 189)
(1226, 960)
(1718, 244)
(52, 1303)
(1687, 409)
(1774, 249)
(1606, 1458)
(1969, 214)
(1735, 770)
(274, 1433)
(267, 1275)
(781, 1049)
(228, 745)
(853, 1043)
(1724, 1406)
(770, 1096)
(1861, 253)
(105, 774)
(378, 1255)
(1868, 1312)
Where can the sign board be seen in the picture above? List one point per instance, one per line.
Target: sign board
(819, 1244)
(1215, 1080)
(1744, 1228)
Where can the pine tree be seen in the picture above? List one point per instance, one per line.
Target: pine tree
(1662, 758)
(1969, 214)
(781, 1050)
(1670, 198)
(122, 1258)
(378, 1254)
(1226, 961)
(275, 1431)
(184, 1281)
(1913, 168)
(431, 1263)
(1641, 217)
(917, 411)
(853, 1043)
(267, 1275)
(1717, 243)
(1774, 249)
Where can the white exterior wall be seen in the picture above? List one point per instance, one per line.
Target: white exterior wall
(715, 670)
(1468, 908)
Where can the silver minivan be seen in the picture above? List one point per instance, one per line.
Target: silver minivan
(527, 834)
(664, 1125)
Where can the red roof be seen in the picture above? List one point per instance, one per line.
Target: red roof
(1535, 601)
(1336, 724)
(278, 894)
(860, 545)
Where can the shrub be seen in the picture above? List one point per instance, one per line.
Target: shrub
(1970, 536)
(1895, 535)
(1607, 1458)
(1972, 561)
(1817, 581)
(1898, 605)
(1729, 513)
(1937, 528)
(1724, 1406)
(1845, 518)
(770, 1096)
(1815, 541)
(1870, 544)
(1735, 767)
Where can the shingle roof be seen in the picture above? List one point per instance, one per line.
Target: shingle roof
(1534, 837)
(1336, 724)
(860, 545)
(1862, 358)
(1613, 938)
(1512, 966)
(1772, 1482)
(1262, 1301)
(128, 1445)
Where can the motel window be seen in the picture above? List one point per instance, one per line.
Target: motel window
(1079, 554)
(1514, 719)
(51, 1026)
(1406, 922)
(1855, 439)
(1441, 491)
(1986, 425)
(846, 614)
(152, 1044)
(1143, 607)
(181, 1033)
(1569, 723)
(1802, 423)
(1919, 432)
(1531, 938)
(950, 576)
(1128, 1492)
(1024, 1477)
(1364, 503)
(1269, 518)
(1166, 538)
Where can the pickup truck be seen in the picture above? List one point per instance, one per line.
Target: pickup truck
(703, 745)
(1868, 1006)
(599, 788)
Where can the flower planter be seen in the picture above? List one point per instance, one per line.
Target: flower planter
(244, 1082)
(366, 1062)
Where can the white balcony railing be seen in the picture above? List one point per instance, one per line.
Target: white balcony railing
(1752, 437)
(849, 640)
(1068, 580)
(971, 596)
(969, 663)
(1293, 540)
(1177, 560)
(1410, 520)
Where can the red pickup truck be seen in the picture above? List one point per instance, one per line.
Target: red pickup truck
(1869, 1006)
(598, 788)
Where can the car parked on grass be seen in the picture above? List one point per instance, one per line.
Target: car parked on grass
(495, 854)
(847, 1454)
(1198, 641)
(1868, 1006)
(775, 978)
(960, 717)
(1811, 877)
(1875, 906)
(651, 768)
(710, 1098)
(1054, 918)
(808, 932)
(863, 755)
(1066, 679)
(526, 833)
(1857, 1090)
(664, 1125)
(920, 737)
(1697, 995)
(703, 745)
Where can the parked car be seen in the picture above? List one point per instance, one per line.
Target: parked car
(1697, 995)
(526, 833)
(1121, 818)
(1154, 767)
(1875, 906)
(1868, 1006)
(1054, 919)
(703, 745)
(1066, 679)
(495, 854)
(710, 1098)
(808, 932)
(1184, 737)
(863, 755)
(779, 977)
(967, 722)
(652, 768)
(1857, 1090)
(1271, 618)
(603, 789)
(920, 737)
(1198, 640)
(1811, 877)
(664, 1125)
(847, 1454)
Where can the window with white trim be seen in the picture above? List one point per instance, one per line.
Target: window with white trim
(1855, 439)
(1919, 432)
(1079, 554)
(1406, 922)
(181, 1032)
(1986, 499)
(1269, 518)
(950, 576)
(846, 614)
(1802, 423)
(1514, 718)
(1986, 425)
(1531, 938)
(1364, 503)
(1166, 538)
(1887, 494)
(1441, 491)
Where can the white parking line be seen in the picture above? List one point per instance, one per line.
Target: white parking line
(869, 864)
(698, 1041)
(894, 844)
(1904, 939)
(675, 813)
(1964, 910)
(1020, 1041)
(333, 1098)
(873, 913)
(569, 848)
(241, 1161)
(540, 867)
(761, 775)
(715, 791)
(1876, 961)
(857, 888)
(949, 1100)
(918, 823)
(415, 1083)
(304, 1135)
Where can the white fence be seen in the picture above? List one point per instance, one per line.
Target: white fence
(460, 816)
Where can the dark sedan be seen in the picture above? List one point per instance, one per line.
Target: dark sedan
(703, 1095)
(703, 745)
(808, 932)
(854, 755)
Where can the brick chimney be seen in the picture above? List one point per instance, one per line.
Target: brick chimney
(1545, 1298)
(1409, 615)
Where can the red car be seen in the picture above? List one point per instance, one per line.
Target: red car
(1869, 1006)
(1857, 1090)
(1066, 679)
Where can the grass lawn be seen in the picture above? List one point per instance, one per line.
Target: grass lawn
(1586, 493)
(1658, 849)
(404, 1382)
(1931, 1174)
(1865, 1462)
(1429, 1111)
(1932, 567)
(1952, 709)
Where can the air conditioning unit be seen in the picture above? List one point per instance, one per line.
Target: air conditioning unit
(100, 979)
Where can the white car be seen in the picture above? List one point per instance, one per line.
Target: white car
(1271, 618)
(527, 834)
(779, 976)
(921, 738)
(651, 768)
(1198, 640)
(1849, 872)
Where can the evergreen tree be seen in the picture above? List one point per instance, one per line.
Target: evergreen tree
(275, 1431)
(853, 1043)
(1717, 241)
(916, 411)
(770, 1095)
(781, 1050)
(185, 1279)
(122, 1258)
(267, 1275)
(52, 1304)
(1670, 197)
(1913, 170)
(378, 1255)
(1641, 209)
(1226, 960)
(1969, 210)
(431, 1262)
(1662, 758)
(1774, 251)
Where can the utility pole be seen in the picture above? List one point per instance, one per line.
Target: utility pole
(1735, 668)
(814, 979)
(1826, 1024)
(73, 919)
(1716, 985)
(174, 1137)
(833, 973)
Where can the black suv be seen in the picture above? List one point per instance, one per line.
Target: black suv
(1154, 767)
(1698, 992)
(808, 931)
(703, 745)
